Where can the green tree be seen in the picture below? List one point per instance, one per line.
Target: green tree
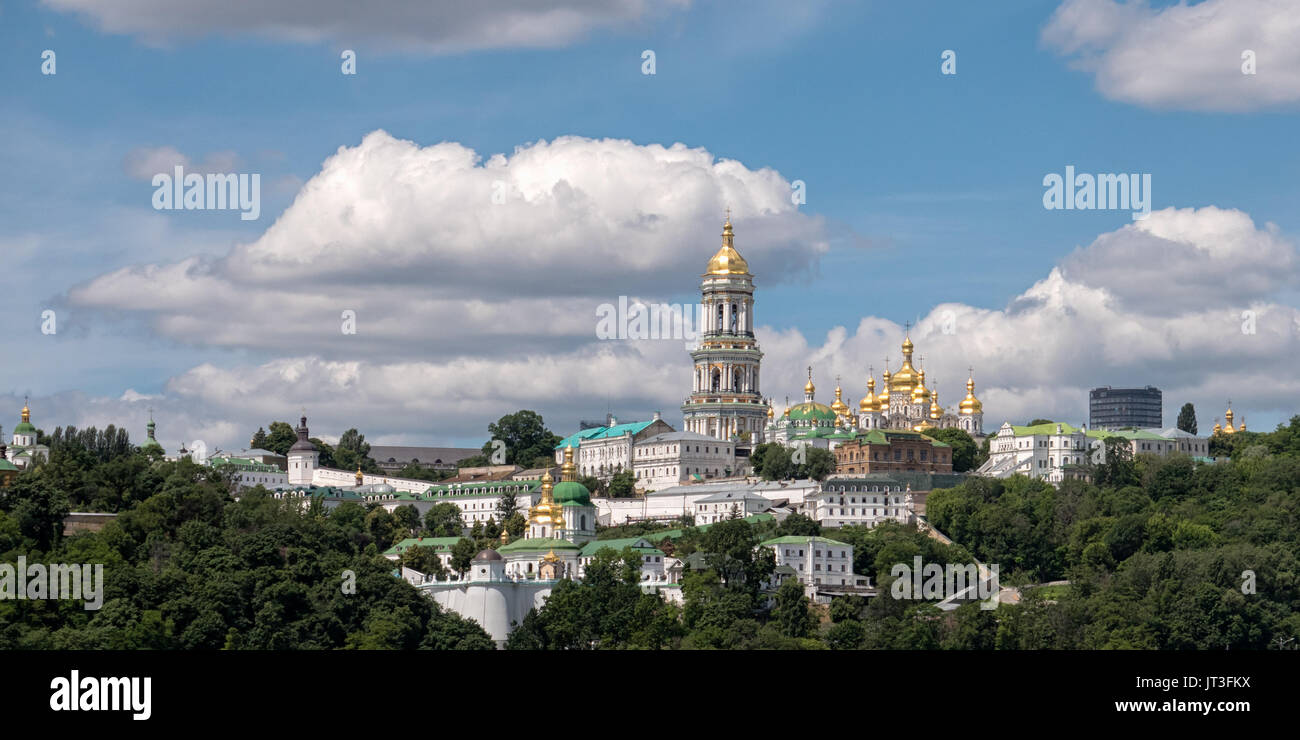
(776, 463)
(622, 485)
(353, 451)
(791, 610)
(964, 452)
(462, 555)
(799, 525)
(1187, 418)
(281, 438)
(818, 464)
(444, 520)
(525, 436)
(259, 441)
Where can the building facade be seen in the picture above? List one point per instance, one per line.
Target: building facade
(1125, 408)
(892, 450)
(674, 458)
(605, 451)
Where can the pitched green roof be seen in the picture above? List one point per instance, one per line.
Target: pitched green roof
(795, 540)
(437, 543)
(1048, 428)
(617, 545)
(537, 544)
(6, 465)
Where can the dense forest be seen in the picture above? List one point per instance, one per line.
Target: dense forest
(1158, 554)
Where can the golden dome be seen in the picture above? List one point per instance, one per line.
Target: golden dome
(808, 387)
(1242, 426)
(505, 536)
(1227, 418)
(970, 404)
(838, 406)
(27, 414)
(1218, 428)
(541, 513)
(924, 425)
(920, 394)
(936, 411)
(727, 261)
(868, 402)
(770, 413)
(905, 379)
(360, 478)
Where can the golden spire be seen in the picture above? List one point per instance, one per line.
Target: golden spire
(360, 479)
(904, 380)
(770, 412)
(868, 402)
(936, 411)
(838, 406)
(1227, 419)
(970, 404)
(568, 471)
(541, 513)
(727, 261)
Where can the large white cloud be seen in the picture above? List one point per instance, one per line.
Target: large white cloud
(425, 26)
(435, 249)
(1184, 56)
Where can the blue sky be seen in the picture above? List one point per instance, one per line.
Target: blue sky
(928, 187)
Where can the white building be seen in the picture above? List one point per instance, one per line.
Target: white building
(1185, 442)
(729, 505)
(1043, 451)
(23, 451)
(245, 473)
(815, 561)
(673, 458)
(864, 508)
(604, 451)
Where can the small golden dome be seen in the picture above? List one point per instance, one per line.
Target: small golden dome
(1218, 428)
(838, 406)
(360, 478)
(809, 387)
(770, 413)
(920, 394)
(970, 404)
(936, 411)
(868, 402)
(505, 536)
(727, 261)
(27, 414)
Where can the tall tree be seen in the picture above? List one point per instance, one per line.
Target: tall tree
(1187, 418)
(281, 438)
(443, 520)
(964, 451)
(259, 440)
(524, 435)
(353, 451)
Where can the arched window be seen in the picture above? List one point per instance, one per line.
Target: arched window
(582, 522)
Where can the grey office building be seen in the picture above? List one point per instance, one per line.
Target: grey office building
(1121, 408)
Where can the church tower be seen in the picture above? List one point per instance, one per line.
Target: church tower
(725, 402)
(303, 457)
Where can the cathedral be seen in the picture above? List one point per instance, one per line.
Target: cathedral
(904, 403)
(23, 452)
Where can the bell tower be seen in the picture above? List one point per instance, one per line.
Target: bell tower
(725, 401)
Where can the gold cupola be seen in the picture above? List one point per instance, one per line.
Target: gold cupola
(936, 411)
(970, 404)
(809, 389)
(360, 478)
(920, 394)
(27, 415)
(1227, 419)
(838, 406)
(541, 513)
(868, 402)
(727, 261)
(770, 413)
(906, 378)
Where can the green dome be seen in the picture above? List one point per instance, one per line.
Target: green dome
(150, 443)
(571, 493)
(24, 428)
(811, 410)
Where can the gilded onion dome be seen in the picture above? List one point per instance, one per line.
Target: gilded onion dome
(1227, 418)
(838, 406)
(920, 394)
(886, 379)
(970, 404)
(569, 491)
(360, 478)
(868, 402)
(541, 513)
(505, 536)
(936, 411)
(1218, 428)
(770, 412)
(906, 378)
(727, 261)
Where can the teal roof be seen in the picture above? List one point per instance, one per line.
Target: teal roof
(437, 543)
(537, 544)
(618, 430)
(481, 488)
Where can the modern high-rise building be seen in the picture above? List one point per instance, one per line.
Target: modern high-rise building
(1123, 408)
